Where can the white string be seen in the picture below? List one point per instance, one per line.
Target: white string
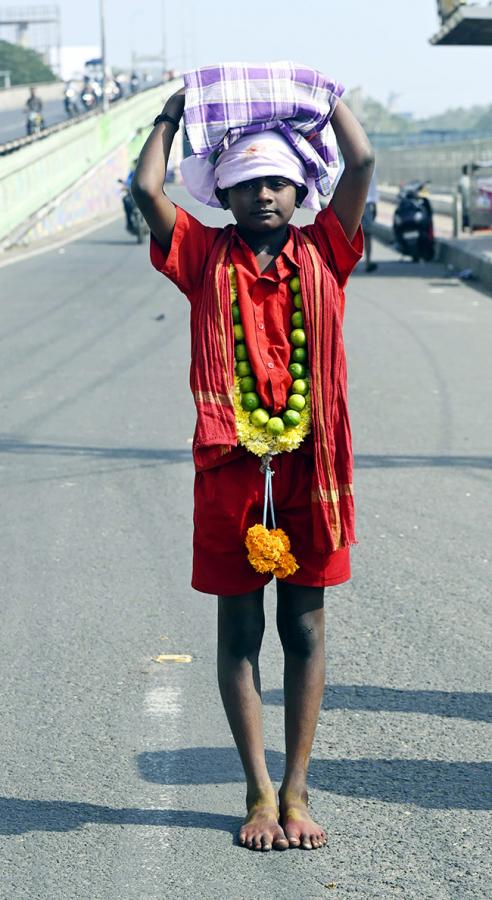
(268, 499)
(265, 502)
(270, 491)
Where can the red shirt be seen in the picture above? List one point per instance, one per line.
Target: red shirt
(265, 299)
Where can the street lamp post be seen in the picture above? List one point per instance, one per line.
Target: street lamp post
(103, 55)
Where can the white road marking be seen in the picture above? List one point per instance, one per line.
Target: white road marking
(163, 702)
(163, 705)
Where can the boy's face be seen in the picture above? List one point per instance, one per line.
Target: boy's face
(261, 204)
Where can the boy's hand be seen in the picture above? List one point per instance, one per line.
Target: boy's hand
(174, 105)
(349, 198)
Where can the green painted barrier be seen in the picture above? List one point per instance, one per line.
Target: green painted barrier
(31, 177)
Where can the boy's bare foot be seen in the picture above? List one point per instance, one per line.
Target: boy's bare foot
(300, 829)
(261, 829)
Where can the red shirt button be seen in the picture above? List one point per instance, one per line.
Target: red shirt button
(261, 325)
(270, 365)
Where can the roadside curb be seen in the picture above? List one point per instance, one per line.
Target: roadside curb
(451, 252)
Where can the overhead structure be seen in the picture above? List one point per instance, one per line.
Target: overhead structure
(463, 24)
(35, 27)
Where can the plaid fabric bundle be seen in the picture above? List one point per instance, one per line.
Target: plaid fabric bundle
(223, 103)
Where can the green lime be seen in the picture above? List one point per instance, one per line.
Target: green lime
(241, 353)
(297, 300)
(238, 333)
(295, 284)
(250, 401)
(248, 383)
(259, 417)
(297, 402)
(243, 368)
(291, 418)
(297, 370)
(275, 425)
(297, 337)
(296, 319)
(299, 355)
(300, 387)
(236, 315)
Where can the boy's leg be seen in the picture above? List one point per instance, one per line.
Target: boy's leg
(241, 624)
(300, 622)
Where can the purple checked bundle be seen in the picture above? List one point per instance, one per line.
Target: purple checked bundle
(223, 103)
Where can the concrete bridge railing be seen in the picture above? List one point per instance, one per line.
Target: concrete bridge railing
(34, 175)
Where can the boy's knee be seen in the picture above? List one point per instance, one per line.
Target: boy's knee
(299, 638)
(243, 640)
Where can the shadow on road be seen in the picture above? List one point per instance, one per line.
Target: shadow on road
(474, 706)
(82, 450)
(428, 783)
(388, 461)
(362, 460)
(20, 816)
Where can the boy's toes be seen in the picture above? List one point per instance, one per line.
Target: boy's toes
(294, 840)
(280, 842)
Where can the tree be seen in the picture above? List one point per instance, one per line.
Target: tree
(25, 66)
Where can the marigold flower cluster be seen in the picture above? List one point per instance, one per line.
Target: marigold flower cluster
(268, 551)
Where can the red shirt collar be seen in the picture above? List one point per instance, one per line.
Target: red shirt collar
(287, 257)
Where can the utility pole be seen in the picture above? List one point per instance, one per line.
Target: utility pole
(164, 35)
(103, 54)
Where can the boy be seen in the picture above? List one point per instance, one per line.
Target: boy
(267, 254)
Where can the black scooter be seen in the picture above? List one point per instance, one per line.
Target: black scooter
(412, 222)
(135, 222)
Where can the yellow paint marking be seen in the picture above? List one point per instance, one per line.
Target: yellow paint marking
(172, 657)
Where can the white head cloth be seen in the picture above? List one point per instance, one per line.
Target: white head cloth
(253, 156)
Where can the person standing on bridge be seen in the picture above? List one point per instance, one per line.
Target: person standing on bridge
(268, 375)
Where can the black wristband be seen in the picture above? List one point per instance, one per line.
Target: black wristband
(164, 117)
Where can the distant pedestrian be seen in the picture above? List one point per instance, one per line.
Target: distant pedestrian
(368, 218)
(268, 375)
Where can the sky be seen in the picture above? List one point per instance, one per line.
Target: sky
(380, 46)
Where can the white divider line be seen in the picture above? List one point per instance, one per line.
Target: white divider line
(163, 702)
(163, 705)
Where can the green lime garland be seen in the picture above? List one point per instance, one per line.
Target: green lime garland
(257, 429)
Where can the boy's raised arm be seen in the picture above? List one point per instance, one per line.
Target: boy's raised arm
(148, 181)
(349, 198)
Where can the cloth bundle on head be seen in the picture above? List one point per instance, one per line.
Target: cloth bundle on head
(224, 104)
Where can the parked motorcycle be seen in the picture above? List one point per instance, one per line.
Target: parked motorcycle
(135, 222)
(412, 222)
(34, 122)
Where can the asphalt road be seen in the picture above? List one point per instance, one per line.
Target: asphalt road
(13, 121)
(119, 775)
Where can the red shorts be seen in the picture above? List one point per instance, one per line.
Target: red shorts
(229, 499)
